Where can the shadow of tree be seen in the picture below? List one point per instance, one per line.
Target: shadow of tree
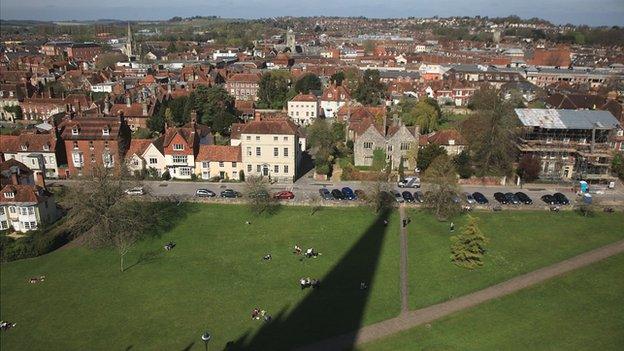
(336, 308)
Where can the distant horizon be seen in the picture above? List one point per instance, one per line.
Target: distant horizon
(559, 12)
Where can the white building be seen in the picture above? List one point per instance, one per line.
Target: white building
(303, 109)
(37, 151)
(270, 148)
(334, 97)
(26, 207)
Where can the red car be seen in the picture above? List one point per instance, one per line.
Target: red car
(284, 195)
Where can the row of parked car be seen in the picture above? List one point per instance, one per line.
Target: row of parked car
(230, 193)
(517, 198)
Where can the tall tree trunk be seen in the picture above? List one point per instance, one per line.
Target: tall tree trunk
(121, 262)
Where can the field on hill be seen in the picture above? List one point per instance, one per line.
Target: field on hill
(581, 310)
(215, 276)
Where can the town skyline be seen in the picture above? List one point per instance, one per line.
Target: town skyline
(577, 12)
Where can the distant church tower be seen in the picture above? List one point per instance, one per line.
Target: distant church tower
(290, 41)
(129, 44)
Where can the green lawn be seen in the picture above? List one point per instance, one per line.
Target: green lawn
(215, 276)
(212, 279)
(581, 310)
(519, 242)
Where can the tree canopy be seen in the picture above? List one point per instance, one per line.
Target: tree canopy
(370, 90)
(307, 83)
(442, 178)
(426, 113)
(468, 248)
(273, 90)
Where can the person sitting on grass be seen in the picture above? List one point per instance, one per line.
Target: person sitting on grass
(170, 245)
(7, 325)
(255, 313)
(363, 285)
(315, 283)
(311, 253)
(297, 250)
(267, 257)
(303, 282)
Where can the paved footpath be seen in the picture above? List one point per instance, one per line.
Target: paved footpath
(415, 318)
(404, 277)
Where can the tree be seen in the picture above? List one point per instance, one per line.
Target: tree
(370, 90)
(468, 248)
(412, 155)
(172, 47)
(16, 110)
(369, 46)
(337, 78)
(379, 159)
(321, 140)
(109, 60)
(426, 113)
(307, 83)
(215, 107)
(529, 168)
(617, 165)
(427, 154)
(490, 133)
(463, 164)
(444, 189)
(378, 193)
(401, 168)
(105, 217)
(273, 90)
(259, 197)
(339, 131)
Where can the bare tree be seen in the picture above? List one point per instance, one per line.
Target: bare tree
(258, 195)
(442, 198)
(378, 193)
(315, 204)
(104, 216)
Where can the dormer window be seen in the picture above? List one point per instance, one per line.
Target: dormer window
(24, 147)
(46, 147)
(9, 195)
(178, 147)
(105, 131)
(75, 130)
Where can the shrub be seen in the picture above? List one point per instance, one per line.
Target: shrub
(166, 175)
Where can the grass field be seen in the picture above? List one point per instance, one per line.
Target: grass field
(212, 279)
(519, 242)
(215, 276)
(581, 310)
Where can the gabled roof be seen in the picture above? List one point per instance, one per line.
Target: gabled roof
(305, 98)
(335, 93)
(91, 128)
(27, 143)
(443, 137)
(138, 146)
(23, 194)
(221, 153)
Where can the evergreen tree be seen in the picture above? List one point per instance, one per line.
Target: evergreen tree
(307, 83)
(370, 90)
(468, 248)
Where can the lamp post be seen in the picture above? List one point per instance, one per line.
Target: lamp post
(205, 338)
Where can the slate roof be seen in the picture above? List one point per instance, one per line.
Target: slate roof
(566, 119)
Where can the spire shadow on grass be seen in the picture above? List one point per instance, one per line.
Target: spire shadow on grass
(336, 308)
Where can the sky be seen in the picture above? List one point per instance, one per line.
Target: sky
(590, 12)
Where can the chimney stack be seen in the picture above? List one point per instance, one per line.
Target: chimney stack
(193, 117)
(144, 105)
(40, 179)
(128, 101)
(14, 173)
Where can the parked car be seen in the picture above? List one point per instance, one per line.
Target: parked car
(204, 193)
(229, 193)
(561, 199)
(549, 199)
(337, 194)
(500, 197)
(524, 198)
(419, 197)
(469, 198)
(409, 182)
(326, 194)
(135, 191)
(348, 193)
(360, 194)
(407, 196)
(397, 196)
(480, 198)
(512, 199)
(284, 195)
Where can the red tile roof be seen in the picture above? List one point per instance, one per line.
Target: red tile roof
(305, 98)
(223, 153)
(244, 77)
(23, 193)
(138, 146)
(270, 126)
(31, 143)
(335, 93)
(442, 137)
(91, 128)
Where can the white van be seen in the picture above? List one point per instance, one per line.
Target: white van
(409, 182)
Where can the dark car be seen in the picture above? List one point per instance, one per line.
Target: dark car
(524, 198)
(229, 193)
(337, 194)
(549, 199)
(325, 194)
(360, 194)
(419, 197)
(407, 196)
(500, 197)
(284, 195)
(348, 193)
(480, 198)
(512, 199)
(561, 199)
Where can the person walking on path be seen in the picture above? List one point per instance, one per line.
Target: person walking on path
(452, 227)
